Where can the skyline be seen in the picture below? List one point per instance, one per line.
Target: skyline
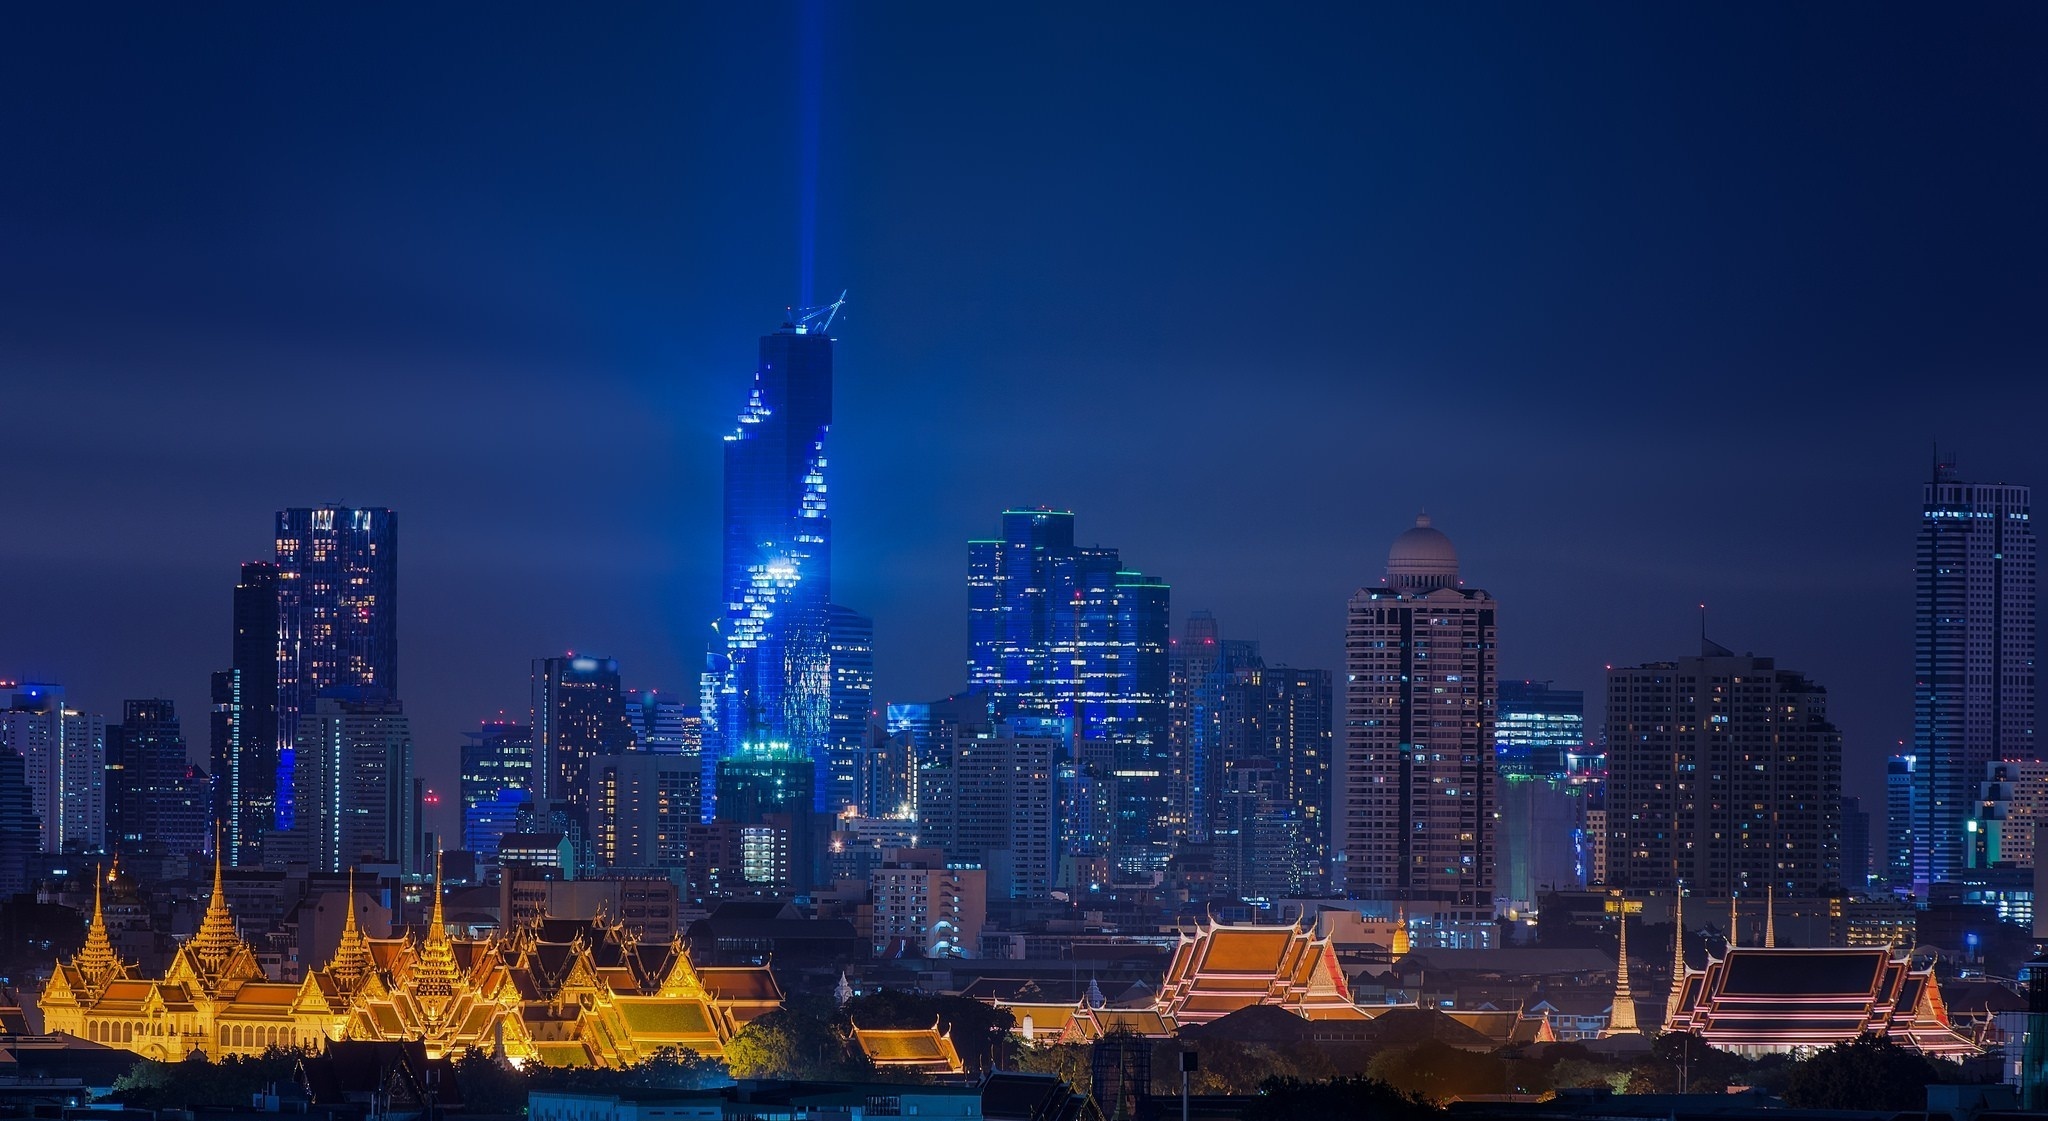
(1620, 330)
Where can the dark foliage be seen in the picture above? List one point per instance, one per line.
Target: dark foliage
(197, 1082)
(1870, 1073)
(1338, 1099)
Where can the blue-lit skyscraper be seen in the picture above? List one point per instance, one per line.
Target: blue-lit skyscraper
(771, 683)
(1067, 632)
(337, 617)
(851, 637)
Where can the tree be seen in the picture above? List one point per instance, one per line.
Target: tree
(1338, 1099)
(1068, 1060)
(1868, 1073)
(1438, 1071)
(197, 1081)
(1706, 1069)
(786, 1044)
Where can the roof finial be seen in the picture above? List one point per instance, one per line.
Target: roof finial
(1677, 955)
(1770, 918)
(1622, 1019)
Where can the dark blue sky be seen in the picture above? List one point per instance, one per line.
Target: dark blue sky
(1647, 304)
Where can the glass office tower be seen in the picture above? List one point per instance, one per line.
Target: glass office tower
(1066, 632)
(852, 641)
(337, 617)
(774, 680)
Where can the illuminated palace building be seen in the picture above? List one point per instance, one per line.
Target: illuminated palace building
(1413, 798)
(555, 992)
(1064, 632)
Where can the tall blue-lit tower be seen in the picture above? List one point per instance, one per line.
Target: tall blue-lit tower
(771, 687)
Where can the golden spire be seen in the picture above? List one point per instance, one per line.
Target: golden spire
(435, 975)
(216, 941)
(1677, 956)
(1734, 937)
(96, 960)
(1770, 918)
(1400, 947)
(1622, 1020)
(352, 954)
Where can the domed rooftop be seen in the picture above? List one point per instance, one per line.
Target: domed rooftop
(1422, 559)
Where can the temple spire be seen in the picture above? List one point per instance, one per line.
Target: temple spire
(1677, 957)
(96, 960)
(352, 961)
(1734, 937)
(1400, 947)
(1622, 1020)
(1770, 917)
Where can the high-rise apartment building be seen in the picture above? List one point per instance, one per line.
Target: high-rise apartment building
(1001, 809)
(926, 904)
(771, 683)
(1269, 816)
(1855, 845)
(147, 774)
(355, 778)
(497, 782)
(1414, 789)
(1061, 631)
(851, 639)
(1538, 733)
(1973, 656)
(20, 831)
(2012, 803)
(244, 725)
(769, 794)
(641, 807)
(337, 618)
(1723, 775)
(1200, 666)
(578, 714)
(64, 759)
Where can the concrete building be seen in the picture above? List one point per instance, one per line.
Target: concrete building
(1001, 808)
(353, 783)
(1724, 775)
(1973, 657)
(641, 807)
(1413, 813)
(924, 906)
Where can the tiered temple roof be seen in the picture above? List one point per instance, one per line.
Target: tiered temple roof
(1760, 1000)
(917, 1050)
(1219, 969)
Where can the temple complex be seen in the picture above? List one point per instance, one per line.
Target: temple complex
(553, 991)
(1763, 1000)
(1219, 969)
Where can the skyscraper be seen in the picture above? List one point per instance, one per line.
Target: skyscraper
(1270, 814)
(663, 723)
(1855, 845)
(146, 778)
(1002, 809)
(772, 680)
(1899, 786)
(641, 807)
(337, 616)
(1973, 656)
(578, 714)
(1067, 632)
(497, 781)
(1543, 800)
(1724, 775)
(354, 761)
(64, 754)
(244, 725)
(852, 645)
(1199, 668)
(1414, 813)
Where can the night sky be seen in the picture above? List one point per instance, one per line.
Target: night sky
(1646, 304)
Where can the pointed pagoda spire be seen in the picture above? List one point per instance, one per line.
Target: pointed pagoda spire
(1400, 947)
(1622, 1020)
(1734, 935)
(217, 940)
(435, 975)
(1770, 917)
(842, 994)
(96, 960)
(352, 961)
(1677, 956)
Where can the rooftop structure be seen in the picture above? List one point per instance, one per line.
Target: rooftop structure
(1219, 969)
(1760, 1000)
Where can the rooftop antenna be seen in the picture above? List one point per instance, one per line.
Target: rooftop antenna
(817, 320)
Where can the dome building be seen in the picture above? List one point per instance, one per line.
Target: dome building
(1414, 789)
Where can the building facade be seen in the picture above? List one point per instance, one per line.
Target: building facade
(1899, 793)
(1000, 808)
(1539, 735)
(1413, 817)
(244, 738)
(926, 906)
(497, 782)
(1724, 776)
(641, 807)
(146, 780)
(578, 714)
(1201, 665)
(1973, 657)
(64, 758)
(1066, 632)
(337, 618)
(851, 639)
(355, 768)
(772, 677)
